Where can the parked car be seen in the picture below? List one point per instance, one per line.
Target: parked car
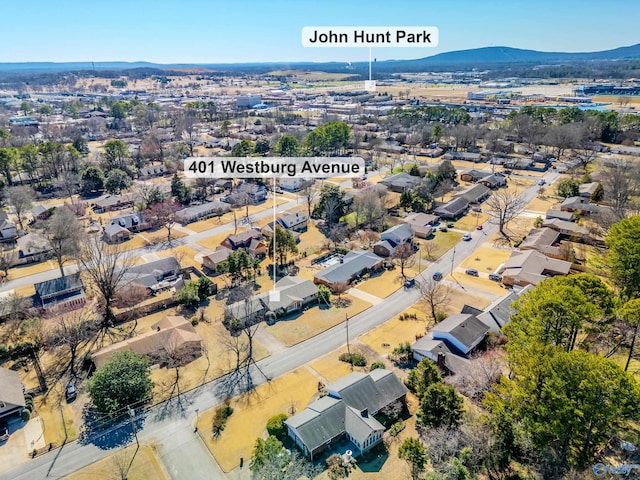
(450, 225)
(476, 209)
(437, 276)
(479, 227)
(71, 393)
(443, 229)
(410, 282)
(472, 271)
(466, 237)
(495, 277)
(542, 182)
(4, 430)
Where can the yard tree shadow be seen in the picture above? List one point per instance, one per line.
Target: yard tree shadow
(107, 433)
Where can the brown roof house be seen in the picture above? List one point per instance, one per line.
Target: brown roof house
(531, 268)
(11, 393)
(250, 240)
(212, 260)
(422, 223)
(172, 339)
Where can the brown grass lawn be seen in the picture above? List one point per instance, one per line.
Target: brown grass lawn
(471, 220)
(483, 284)
(441, 243)
(384, 284)
(214, 241)
(332, 369)
(48, 408)
(184, 254)
(160, 235)
(31, 269)
(146, 465)
(386, 337)
(250, 415)
(486, 259)
(542, 204)
(314, 321)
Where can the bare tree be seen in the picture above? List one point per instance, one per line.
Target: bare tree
(21, 199)
(339, 288)
(503, 206)
(621, 182)
(434, 294)
(404, 257)
(561, 138)
(369, 206)
(8, 258)
(186, 128)
(69, 182)
(106, 265)
(164, 214)
(72, 330)
(63, 233)
(310, 193)
(479, 376)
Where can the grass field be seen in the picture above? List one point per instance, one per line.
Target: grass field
(486, 259)
(314, 321)
(440, 244)
(386, 337)
(145, 465)
(384, 284)
(332, 369)
(251, 412)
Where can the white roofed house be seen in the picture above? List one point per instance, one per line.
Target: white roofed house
(8, 230)
(115, 233)
(392, 238)
(11, 394)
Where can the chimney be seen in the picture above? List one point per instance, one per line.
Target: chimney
(364, 413)
(441, 359)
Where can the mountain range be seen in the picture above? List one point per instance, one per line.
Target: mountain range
(461, 59)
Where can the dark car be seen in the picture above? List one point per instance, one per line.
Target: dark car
(4, 430)
(410, 282)
(472, 271)
(437, 276)
(495, 277)
(479, 227)
(71, 393)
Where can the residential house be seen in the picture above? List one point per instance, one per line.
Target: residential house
(134, 222)
(212, 260)
(494, 180)
(474, 194)
(466, 156)
(156, 276)
(199, 212)
(391, 238)
(437, 351)
(294, 293)
(152, 171)
(349, 411)
(63, 292)
(400, 182)
(115, 233)
(250, 240)
(33, 247)
(560, 215)
(579, 204)
(569, 229)
(473, 175)
(530, 268)
(453, 209)
(294, 184)
(421, 223)
(352, 265)
(11, 394)
(462, 332)
(8, 230)
(586, 190)
(497, 314)
(244, 192)
(294, 222)
(39, 212)
(545, 241)
(111, 203)
(172, 338)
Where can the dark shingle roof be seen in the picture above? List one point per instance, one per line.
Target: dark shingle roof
(465, 328)
(58, 285)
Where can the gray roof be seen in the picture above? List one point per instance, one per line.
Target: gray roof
(401, 180)
(58, 285)
(474, 192)
(292, 289)
(203, 210)
(360, 424)
(293, 219)
(421, 219)
(402, 230)
(453, 362)
(559, 214)
(147, 274)
(33, 243)
(362, 391)
(384, 244)
(112, 200)
(113, 229)
(219, 255)
(580, 203)
(319, 422)
(530, 266)
(495, 179)
(454, 207)
(498, 313)
(11, 391)
(353, 263)
(465, 328)
(38, 210)
(128, 220)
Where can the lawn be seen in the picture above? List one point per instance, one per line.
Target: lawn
(542, 203)
(470, 221)
(251, 412)
(31, 269)
(479, 283)
(486, 259)
(440, 244)
(185, 255)
(145, 465)
(332, 369)
(386, 337)
(295, 329)
(384, 284)
(51, 408)
(214, 241)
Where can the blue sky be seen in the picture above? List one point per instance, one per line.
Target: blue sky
(193, 31)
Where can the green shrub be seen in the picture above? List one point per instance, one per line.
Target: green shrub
(396, 428)
(356, 359)
(220, 418)
(25, 415)
(276, 426)
(376, 365)
(195, 321)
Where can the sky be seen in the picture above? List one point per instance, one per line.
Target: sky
(235, 31)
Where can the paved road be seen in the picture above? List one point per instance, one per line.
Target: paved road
(170, 425)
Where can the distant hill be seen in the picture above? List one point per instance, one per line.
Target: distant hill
(477, 57)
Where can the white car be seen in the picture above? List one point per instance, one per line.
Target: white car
(466, 237)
